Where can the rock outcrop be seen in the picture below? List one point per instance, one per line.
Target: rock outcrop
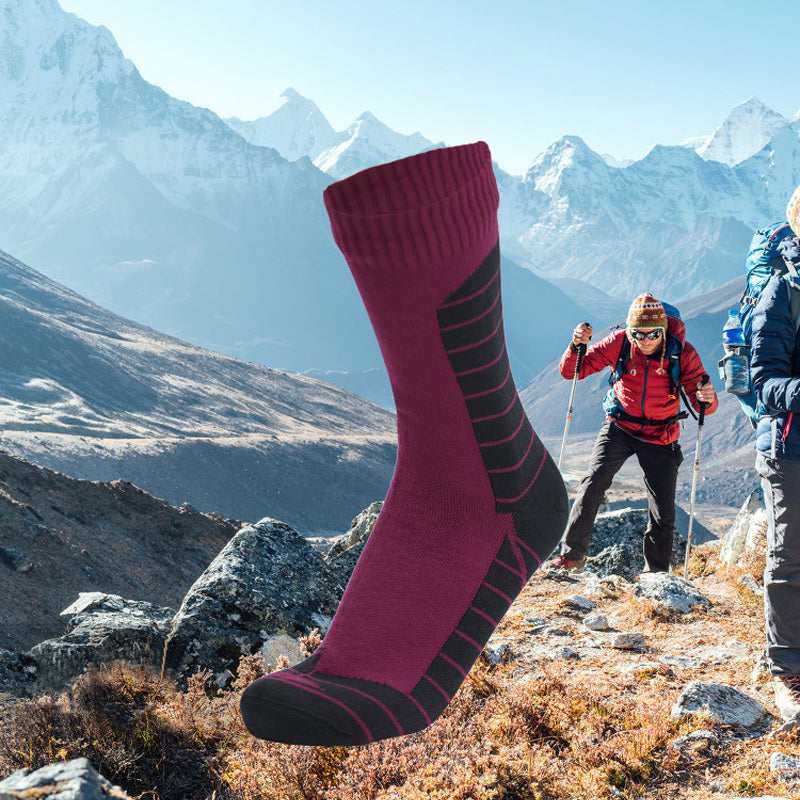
(17, 673)
(104, 628)
(346, 549)
(748, 531)
(60, 536)
(616, 544)
(265, 589)
(66, 780)
(266, 581)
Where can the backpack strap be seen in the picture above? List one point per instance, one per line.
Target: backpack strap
(622, 360)
(675, 388)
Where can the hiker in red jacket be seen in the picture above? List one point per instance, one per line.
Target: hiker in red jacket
(649, 358)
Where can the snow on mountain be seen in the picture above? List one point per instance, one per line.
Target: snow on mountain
(747, 129)
(162, 212)
(298, 128)
(366, 143)
(672, 223)
(158, 209)
(97, 396)
(619, 163)
(772, 174)
(695, 142)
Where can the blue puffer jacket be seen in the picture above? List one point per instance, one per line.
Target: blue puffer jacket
(775, 363)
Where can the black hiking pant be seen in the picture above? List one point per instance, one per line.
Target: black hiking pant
(659, 463)
(780, 480)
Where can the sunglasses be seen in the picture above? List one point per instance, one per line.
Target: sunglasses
(639, 335)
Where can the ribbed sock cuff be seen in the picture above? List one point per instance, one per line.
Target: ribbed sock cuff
(420, 210)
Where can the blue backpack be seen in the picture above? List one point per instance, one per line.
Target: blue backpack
(763, 261)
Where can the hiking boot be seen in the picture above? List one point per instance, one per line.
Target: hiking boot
(566, 564)
(787, 698)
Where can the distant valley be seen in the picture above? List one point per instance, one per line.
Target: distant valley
(96, 396)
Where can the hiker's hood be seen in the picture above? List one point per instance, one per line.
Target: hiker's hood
(789, 248)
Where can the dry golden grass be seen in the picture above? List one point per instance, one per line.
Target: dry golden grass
(599, 727)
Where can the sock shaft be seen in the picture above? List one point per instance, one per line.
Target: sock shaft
(475, 503)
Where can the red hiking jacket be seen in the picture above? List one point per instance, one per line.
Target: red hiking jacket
(643, 390)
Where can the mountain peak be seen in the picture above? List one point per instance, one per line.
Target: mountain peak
(747, 129)
(752, 104)
(564, 153)
(296, 129)
(368, 116)
(56, 52)
(294, 98)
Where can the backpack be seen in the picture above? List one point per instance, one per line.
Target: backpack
(677, 330)
(763, 261)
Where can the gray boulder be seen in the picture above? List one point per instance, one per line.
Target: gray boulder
(787, 767)
(266, 581)
(68, 780)
(346, 549)
(674, 596)
(724, 704)
(106, 628)
(579, 602)
(702, 741)
(616, 546)
(565, 653)
(700, 534)
(628, 641)
(596, 621)
(748, 530)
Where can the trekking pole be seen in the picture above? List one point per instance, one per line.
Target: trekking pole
(581, 351)
(700, 419)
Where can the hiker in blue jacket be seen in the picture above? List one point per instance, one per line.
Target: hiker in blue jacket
(775, 369)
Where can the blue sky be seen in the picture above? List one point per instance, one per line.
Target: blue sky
(623, 74)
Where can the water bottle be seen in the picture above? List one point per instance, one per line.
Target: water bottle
(735, 366)
(732, 333)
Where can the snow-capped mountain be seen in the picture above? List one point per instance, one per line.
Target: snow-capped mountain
(672, 223)
(298, 128)
(163, 212)
(366, 143)
(158, 209)
(747, 129)
(97, 396)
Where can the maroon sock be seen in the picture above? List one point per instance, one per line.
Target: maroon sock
(476, 502)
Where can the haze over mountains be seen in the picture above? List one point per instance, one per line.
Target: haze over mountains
(675, 222)
(164, 213)
(97, 396)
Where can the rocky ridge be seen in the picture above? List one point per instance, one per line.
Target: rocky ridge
(265, 589)
(60, 536)
(695, 644)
